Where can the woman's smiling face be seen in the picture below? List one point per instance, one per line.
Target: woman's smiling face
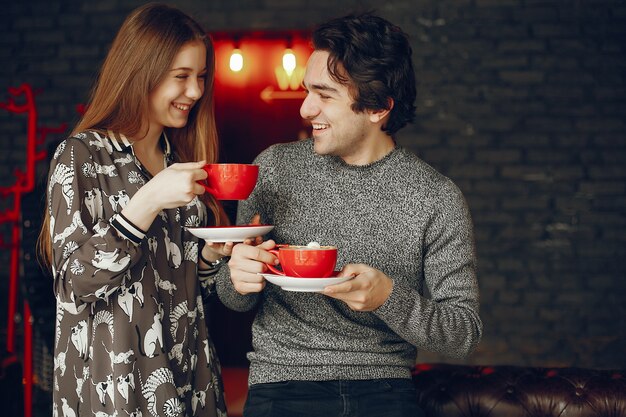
(172, 100)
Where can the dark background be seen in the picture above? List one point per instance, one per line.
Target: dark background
(521, 102)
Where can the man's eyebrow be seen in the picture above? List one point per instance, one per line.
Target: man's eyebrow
(321, 87)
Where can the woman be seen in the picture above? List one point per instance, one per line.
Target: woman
(131, 336)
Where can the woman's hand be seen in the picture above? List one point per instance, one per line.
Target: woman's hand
(213, 251)
(173, 187)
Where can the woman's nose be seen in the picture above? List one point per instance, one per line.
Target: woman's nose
(195, 88)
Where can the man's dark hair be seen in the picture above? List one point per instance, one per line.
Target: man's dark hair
(373, 58)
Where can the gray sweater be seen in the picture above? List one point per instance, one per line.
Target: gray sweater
(397, 215)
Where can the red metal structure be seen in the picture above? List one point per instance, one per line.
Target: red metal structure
(24, 183)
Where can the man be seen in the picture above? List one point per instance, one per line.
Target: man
(401, 228)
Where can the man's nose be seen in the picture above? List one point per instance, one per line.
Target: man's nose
(309, 109)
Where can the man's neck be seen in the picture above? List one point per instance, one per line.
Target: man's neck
(372, 150)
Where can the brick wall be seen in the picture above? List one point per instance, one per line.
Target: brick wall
(521, 102)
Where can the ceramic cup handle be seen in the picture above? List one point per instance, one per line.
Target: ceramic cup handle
(207, 187)
(272, 267)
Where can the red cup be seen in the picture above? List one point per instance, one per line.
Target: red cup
(230, 181)
(305, 261)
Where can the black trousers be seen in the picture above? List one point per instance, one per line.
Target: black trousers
(367, 398)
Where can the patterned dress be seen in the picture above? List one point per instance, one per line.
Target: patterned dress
(131, 337)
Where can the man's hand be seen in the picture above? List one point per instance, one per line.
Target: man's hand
(368, 290)
(247, 262)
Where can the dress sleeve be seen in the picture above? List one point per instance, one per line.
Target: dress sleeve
(90, 253)
(448, 321)
(206, 277)
(207, 283)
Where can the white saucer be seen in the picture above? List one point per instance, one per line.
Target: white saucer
(303, 284)
(230, 233)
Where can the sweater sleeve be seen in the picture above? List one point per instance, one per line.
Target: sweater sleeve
(256, 203)
(90, 254)
(448, 321)
(229, 296)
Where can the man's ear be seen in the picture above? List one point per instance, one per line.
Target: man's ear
(376, 116)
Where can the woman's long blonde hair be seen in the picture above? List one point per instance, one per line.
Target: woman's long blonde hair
(140, 56)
